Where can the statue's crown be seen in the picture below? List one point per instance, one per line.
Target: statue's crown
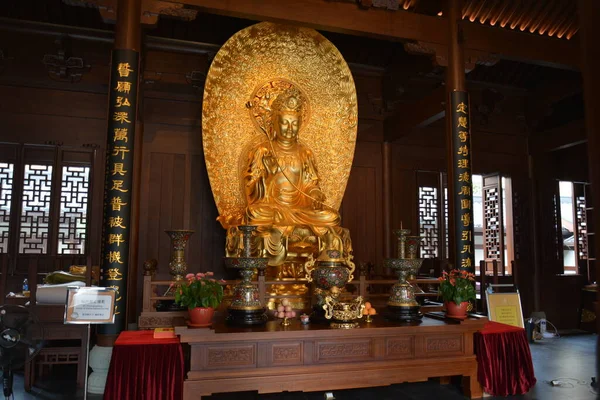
(290, 101)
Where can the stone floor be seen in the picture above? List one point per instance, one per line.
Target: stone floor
(570, 359)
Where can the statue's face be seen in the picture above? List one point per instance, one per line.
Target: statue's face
(287, 126)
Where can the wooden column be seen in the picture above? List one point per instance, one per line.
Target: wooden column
(589, 13)
(119, 230)
(458, 143)
(387, 199)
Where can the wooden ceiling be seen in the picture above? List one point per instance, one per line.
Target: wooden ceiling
(554, 18)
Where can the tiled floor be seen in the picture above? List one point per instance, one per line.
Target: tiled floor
(570, 359)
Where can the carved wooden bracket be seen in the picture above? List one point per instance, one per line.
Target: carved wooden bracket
(62, 66)
(439, 54)
(151, 77)
(151, 10)
(196, 79)
(54, 143)
(388, 4)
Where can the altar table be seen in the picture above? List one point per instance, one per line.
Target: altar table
(145, 368)
(315, 357)
(504, 358)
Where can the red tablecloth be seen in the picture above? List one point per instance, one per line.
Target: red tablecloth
(504, 360)
(145, 368)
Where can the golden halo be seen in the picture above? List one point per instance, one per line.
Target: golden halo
(262, 99)
(261, 58)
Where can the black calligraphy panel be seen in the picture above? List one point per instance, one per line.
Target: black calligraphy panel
(463, 182)
(118, 184)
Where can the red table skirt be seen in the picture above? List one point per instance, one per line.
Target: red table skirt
(145, 368)
(504, 360)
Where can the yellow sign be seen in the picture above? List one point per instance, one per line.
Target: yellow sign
(505, 308)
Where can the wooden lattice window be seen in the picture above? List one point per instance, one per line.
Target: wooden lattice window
(493, 241)
(491, 234)
(429, 221)
(581, 220)
(432, 216)
(36, 195)
(73, 213)
(493, 231)
(44, 199)
(6, 186)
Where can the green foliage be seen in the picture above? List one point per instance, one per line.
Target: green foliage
(457, 286)
(200, 290)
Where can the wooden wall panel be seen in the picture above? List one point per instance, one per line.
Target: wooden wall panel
(360, 214)
(362, 205)
(207, 246)
(175, 192)
(165, 203)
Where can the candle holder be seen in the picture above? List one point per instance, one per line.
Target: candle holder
(246, 308)
(412, 246)
(401, 235)
(402, 305)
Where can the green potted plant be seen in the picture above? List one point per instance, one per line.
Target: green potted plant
(201, 294)
(457, 288)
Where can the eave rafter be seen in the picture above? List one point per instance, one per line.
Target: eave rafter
(398, 25)
(351, 18)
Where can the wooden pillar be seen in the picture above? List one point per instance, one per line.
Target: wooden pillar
(458, 144)
(119, 230)
(387, 199)
(589, 13)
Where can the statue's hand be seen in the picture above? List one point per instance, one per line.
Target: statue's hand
(318, 199)
(270, 163)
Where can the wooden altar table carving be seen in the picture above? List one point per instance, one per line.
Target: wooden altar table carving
(313, 357)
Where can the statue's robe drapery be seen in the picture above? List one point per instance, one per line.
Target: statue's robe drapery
(276, 192)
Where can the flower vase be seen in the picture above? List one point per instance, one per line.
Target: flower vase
(201, 316)
(454, 310)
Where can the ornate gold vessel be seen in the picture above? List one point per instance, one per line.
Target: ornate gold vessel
(246, 308)
(179, 240)
(402, 304)
(344, 313)
(330, 273)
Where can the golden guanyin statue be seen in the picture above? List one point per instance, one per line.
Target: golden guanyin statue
(281, 183)
(279, 130)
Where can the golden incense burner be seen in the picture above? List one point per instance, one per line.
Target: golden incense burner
(344, 313)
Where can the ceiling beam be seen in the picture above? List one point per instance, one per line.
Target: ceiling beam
(416, 115)
(541, 101)
(397, 25)
(562, 137)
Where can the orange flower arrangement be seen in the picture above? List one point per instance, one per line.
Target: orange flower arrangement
(457, 286)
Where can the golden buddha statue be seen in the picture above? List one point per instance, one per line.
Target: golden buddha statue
(281, 186)
(281, 162)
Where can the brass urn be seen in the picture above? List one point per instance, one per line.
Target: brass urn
(330, 273)
(179, 240)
